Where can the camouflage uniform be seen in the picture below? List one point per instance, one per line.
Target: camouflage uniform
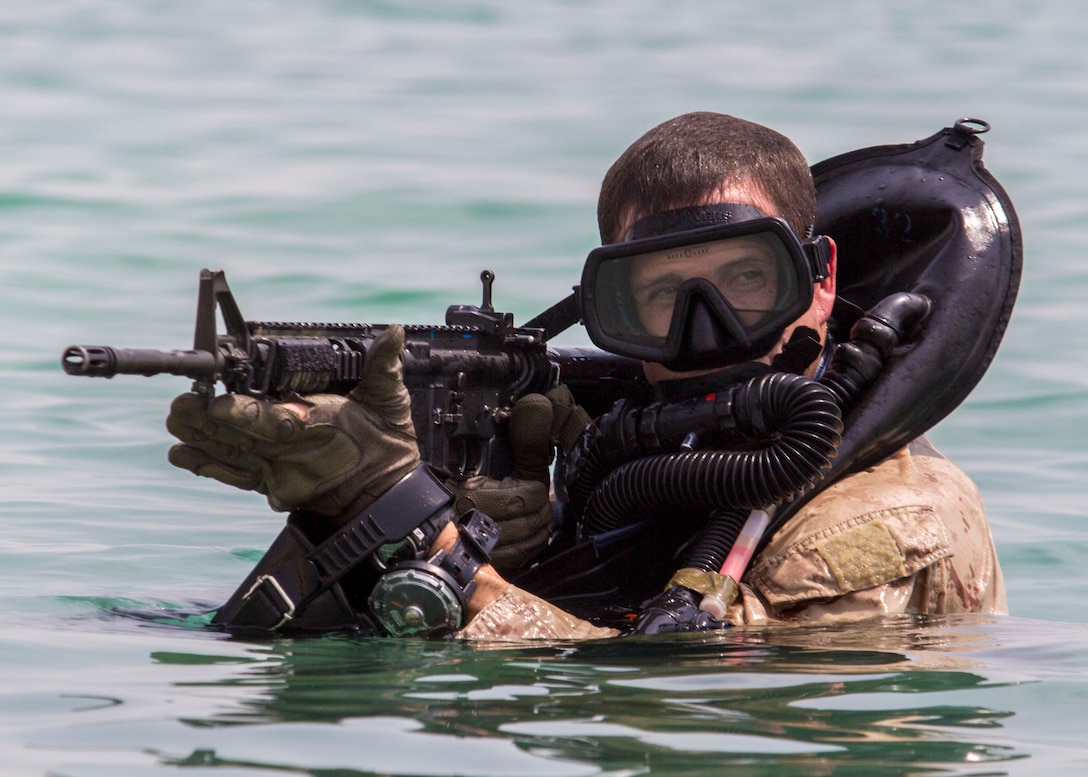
(906, 536)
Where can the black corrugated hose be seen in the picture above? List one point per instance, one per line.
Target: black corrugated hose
(800, 419)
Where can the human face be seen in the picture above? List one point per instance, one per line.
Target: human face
(744, 269)
(816, 317)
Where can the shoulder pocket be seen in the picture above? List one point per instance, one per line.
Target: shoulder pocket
(867, 551)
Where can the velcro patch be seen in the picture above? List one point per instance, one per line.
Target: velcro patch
(863, 557)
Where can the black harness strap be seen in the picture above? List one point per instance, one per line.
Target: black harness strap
(294, 573)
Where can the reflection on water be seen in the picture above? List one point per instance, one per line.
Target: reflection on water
(905, 694)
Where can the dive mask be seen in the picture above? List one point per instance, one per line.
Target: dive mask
(700, 298)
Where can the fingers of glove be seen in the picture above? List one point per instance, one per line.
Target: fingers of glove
(232, 420)
(188, 414)
(523, 511)
(515, 556)
(237, 419)
(200, 463)
(569, 419)
(530, 437)
(523, 527)
(382, 386)
(523, 505)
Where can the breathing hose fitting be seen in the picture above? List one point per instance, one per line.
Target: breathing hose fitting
(857, 362)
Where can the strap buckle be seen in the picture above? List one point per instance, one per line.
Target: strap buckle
(266, 602)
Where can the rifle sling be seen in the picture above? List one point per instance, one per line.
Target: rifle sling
(558, 318)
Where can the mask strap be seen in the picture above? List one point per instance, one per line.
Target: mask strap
(818, 251)
(800, 352)
(683, 219)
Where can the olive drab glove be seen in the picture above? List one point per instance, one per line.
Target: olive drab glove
(521, 502)
(334, 460)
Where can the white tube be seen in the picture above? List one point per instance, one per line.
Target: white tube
(745, 547)
(737, 561)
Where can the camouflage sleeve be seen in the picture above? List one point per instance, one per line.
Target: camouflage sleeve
(907, 536)
(518, 615)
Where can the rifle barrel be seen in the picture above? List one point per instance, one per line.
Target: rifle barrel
(103, 361)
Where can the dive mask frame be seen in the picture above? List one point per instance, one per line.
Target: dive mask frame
(705, 330)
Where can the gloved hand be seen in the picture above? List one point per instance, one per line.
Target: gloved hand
(329, 454)
(521, 503)
(673, 611)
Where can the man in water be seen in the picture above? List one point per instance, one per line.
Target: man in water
(908, 535)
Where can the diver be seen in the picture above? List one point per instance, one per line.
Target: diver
(713, 274)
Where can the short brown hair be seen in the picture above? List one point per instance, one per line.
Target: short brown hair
(682, 161)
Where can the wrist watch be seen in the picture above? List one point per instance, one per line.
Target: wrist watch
(429, 596)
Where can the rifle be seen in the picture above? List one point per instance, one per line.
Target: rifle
(463, 377)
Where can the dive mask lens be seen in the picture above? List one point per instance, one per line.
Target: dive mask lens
(697, 299)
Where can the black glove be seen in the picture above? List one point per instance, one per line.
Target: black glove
(675, 610)
(521, 503)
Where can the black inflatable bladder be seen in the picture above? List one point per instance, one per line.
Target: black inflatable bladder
(928, 218)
